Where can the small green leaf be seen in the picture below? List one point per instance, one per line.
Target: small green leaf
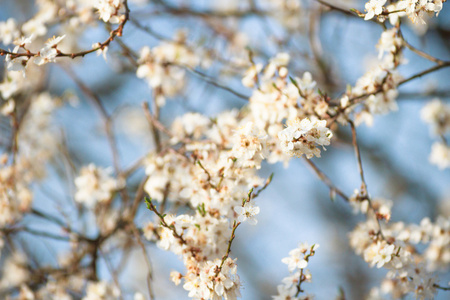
(201, 209)
(148, 201)
(294, 82)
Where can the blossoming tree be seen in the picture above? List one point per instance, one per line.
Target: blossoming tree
(232, 90)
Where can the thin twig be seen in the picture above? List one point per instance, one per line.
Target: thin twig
(363, 190)
(324, 178)
(442, 65)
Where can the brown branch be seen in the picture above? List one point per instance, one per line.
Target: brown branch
(358, 158)
(364, 194)
(419, 52)
(339, 9)
(213, 82)
(42, 234)
(107, 121)
(441, 287)
(441, 65)
(147, 260)
(325, 179)
(113, 273)
(153, 122)
(184, 11)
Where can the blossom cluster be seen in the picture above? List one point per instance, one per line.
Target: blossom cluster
(216, 167)
(211, 179)
(279, 100)
(394, 246)
(38, 142)
(379, 84)
(202, 174)
(72, 16)
(94, 185)
(437, 114)
(303, 137)
(163, 67)
(249, 148)
(297, 261)
(109, 10)
(47, 54)
(416, 10)
(201, 240)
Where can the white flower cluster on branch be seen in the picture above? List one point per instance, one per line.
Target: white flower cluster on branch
(416, 10)
(301, 137)
(409, 271)
(379, 84)
(202, 174)
(297, 262)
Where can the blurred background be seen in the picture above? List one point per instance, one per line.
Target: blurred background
(296, 207)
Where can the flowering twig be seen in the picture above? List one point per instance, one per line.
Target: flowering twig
(112, 35)
(152, 207)
(233, 230)
(357, 99)
(207, 174)
(230, 241)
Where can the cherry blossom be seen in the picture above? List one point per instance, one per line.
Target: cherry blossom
(247, 213)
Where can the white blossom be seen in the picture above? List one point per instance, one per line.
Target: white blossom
(162, 67)
(440, 155)
(49, 52)
(301, 137)
(8, 31)
(94, 185)
(34, 27)
(374, 8)
(247, 213)
(107, 9)
(437, 114)
(295, 260)
(249, 148)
